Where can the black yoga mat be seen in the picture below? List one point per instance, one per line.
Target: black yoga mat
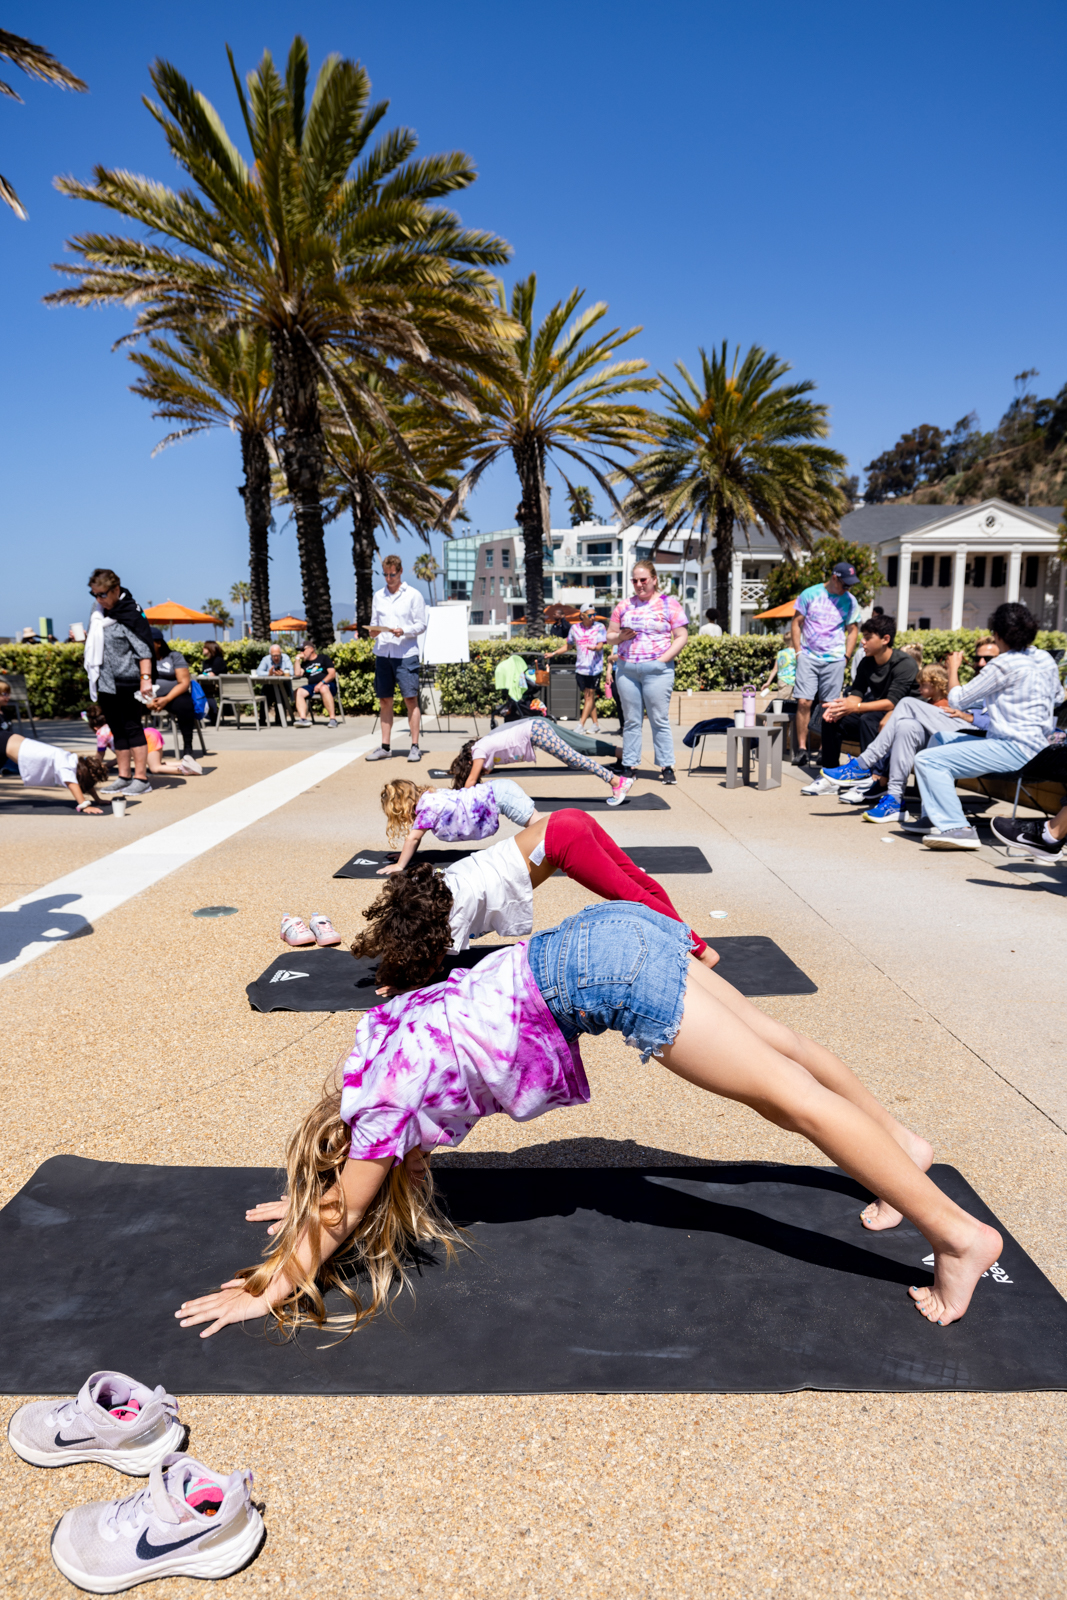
(42, 805)
(736, 1279)
(660, 859)
(598, 803)
(332, 980)
(756, 965)
(366, 863)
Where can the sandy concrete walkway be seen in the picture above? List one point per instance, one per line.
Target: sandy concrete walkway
(137, 1043)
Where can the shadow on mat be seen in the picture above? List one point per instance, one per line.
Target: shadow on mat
(664, 1199)
(572, 1153)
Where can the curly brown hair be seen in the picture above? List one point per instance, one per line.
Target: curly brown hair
(91, 770)
(409, 930)
(460, 770)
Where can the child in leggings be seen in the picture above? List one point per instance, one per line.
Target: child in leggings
(503, 1037)
(517, 741)
(415, 809)
(491, 891)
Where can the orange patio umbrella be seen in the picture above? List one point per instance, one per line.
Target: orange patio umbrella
(778, 612)
(171, 612)
(289, 625)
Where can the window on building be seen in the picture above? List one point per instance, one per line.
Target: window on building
(483, 588)
(998, 575)
(492, 586)
(505, 559)
(598, 547)
(1030, 574)
(488, 558)
(476, 618)
(924, 622)
(927, 579)
(944, 572)
(914, 573)
(978, 572)
(892, 572)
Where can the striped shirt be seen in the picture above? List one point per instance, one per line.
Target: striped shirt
(1021, 690)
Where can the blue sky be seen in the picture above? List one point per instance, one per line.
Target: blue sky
(874, 192)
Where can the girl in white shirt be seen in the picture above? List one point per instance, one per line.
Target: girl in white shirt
(45, 766)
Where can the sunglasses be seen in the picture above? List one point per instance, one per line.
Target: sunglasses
(981, 660)
(642, 580)
(98, 594)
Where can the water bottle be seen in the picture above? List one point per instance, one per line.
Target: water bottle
(748, 702)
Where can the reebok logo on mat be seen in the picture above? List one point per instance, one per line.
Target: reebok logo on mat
(283, 976)
(363, 861)
(996, 1271)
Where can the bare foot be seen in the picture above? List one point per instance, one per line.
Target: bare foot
(956, 1274)
(880, 1215)
(710, 958)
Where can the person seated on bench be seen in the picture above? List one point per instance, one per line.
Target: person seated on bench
(492, 890)
(878, 777)
(1043, 840)
(45, 766)
(1021, 690)
(516, 741)
(451, 815)
(882, 679)
(503, 1037)
(318, 670)
(275, 664)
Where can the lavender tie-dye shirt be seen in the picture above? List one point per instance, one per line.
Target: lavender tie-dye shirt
(427, 1066)
(451, 814)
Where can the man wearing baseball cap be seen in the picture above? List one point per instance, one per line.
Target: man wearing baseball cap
(824, 636)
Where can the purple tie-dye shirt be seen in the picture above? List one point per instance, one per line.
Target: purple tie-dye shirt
(451, 814)
(427, 1066)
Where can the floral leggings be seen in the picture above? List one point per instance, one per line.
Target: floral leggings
(544, 736)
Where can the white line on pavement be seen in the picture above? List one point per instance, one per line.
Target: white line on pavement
(35, 923)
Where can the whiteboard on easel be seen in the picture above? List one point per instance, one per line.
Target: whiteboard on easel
(446, 640)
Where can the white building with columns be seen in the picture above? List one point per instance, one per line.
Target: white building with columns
(942, 566)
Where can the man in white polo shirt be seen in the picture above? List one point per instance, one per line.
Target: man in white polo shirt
(397, 620)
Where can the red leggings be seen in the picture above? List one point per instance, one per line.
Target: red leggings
(592, 858)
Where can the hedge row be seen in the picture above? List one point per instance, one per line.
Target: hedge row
(55, 677)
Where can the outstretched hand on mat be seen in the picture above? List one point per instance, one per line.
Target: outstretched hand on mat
(269, 1211)
(230, 1303)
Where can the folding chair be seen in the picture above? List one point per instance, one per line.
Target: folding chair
(173, 732)
(238, 690)
(702, 731)
(19, 697)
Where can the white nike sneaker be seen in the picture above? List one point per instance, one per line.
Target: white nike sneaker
(113, 1419)
(188, 1523)
(820, 786)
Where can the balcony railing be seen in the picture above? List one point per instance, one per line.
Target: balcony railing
(753, 591)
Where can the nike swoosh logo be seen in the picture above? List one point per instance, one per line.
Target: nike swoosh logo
(66, 1443)
(147, 1552)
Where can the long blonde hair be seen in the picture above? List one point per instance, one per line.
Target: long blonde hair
(400, 798)
(402, 1216)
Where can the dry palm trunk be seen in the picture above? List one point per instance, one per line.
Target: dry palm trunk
(724, 557)
(255, 492)
(533, 518)
(296, 386)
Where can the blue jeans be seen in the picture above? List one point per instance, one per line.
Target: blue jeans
(646, 686)
(619, 966)
(512, 802)
(960, 756)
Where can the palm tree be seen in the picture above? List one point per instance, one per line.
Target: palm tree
(241, 594)
(36, 62)
(222, 381)
(427, 571)
(736, 450)
(391, 478)
(562, 398)
(580, 504)
(216, 609)
(327, 242)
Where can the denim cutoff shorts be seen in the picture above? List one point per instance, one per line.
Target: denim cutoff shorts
(619, 966)
(512, 802)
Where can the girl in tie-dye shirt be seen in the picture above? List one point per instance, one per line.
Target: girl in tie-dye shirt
(452, 815)
(502, 1038)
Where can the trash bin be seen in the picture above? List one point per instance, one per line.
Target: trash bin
(564, 699)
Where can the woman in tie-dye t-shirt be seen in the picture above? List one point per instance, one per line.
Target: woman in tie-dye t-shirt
(650, 628)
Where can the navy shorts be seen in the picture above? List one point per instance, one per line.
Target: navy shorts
(620, 966)
(396, 672)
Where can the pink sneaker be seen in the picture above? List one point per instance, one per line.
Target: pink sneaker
(323, 929)
(295, 931)
(619, 790)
